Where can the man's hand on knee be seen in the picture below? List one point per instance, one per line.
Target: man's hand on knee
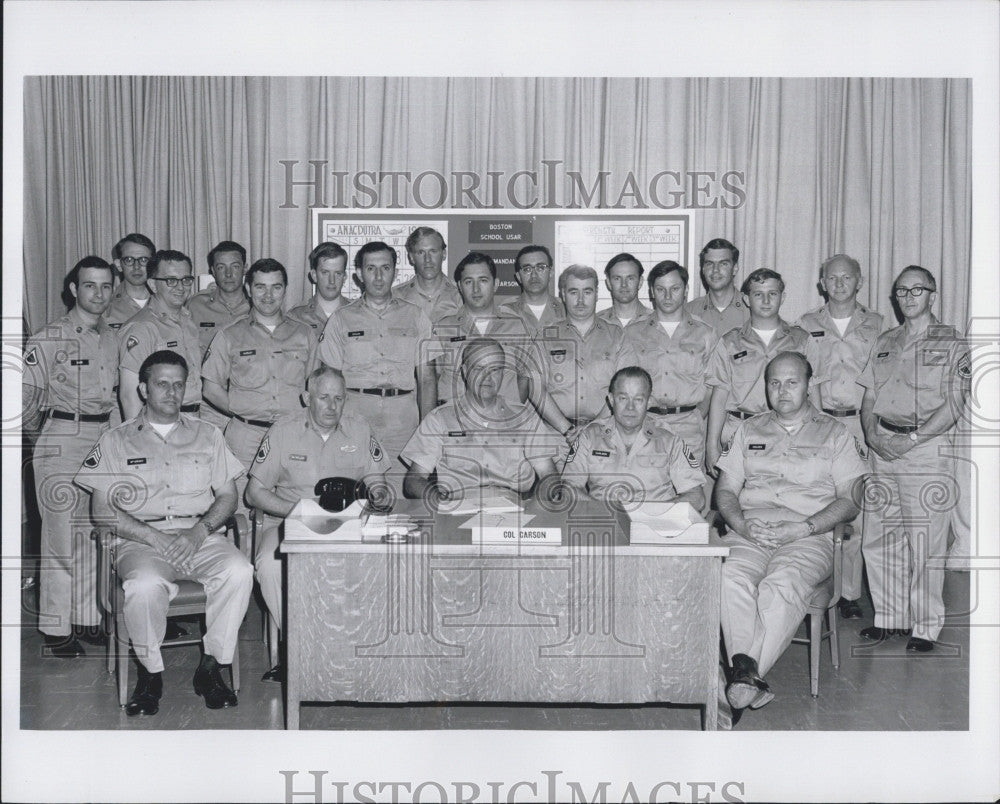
(178, 549)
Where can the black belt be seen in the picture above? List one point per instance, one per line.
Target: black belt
(80, 417)
(842, 414)
(741, 414)
(382, 391)
(671, 411)
(898, 428)
(254, 422)
(193, 408)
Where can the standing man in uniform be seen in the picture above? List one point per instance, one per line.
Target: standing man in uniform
(301, 449)
(166, 483)
(327, 271)
(70, 373)
(536, 306)
(131, 256)
(430, 288)
(842, 334)
(736, 371)
(164, 323)
(787, 479)
(916, 383)
(379, 344)
(721, 308)
(630, 451)
(623, 278)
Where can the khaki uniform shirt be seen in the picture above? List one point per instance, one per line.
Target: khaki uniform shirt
(151, 477)
(444, 300)
(293, 456)
(608, 314)
(211, 314)
(678, 363)
(312, 314)
(799, 471)
(656, 468)
(376, 349)
(154, 328)
(264, 372)
(553, 313)
(740, 358)
(122, 308)
(74, 364)
(733, 317)
(911, 380)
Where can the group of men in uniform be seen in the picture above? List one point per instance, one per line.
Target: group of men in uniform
(436, 389)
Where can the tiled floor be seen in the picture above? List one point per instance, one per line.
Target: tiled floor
(877, 688)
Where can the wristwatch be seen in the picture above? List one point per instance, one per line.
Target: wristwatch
(811, 526)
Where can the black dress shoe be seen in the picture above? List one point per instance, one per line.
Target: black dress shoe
(920, 645)
(209, 684)
(145, 698)
(63, 647)
(276, 673)
(849, 609)
(746, 684)
(876, 634)
(91, 634)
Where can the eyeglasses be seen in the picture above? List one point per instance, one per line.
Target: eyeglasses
(171, 281)
(534, 269)
(902, 293)
(128, 262)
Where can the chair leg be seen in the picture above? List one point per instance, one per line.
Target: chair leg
(234, 668)
(815, 638)
(831, 617)
(272, 639)
(122, 657)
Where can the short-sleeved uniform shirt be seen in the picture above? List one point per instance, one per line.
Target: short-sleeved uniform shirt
(656, 468)
(312, 314)
(375, 349)
(798, 471)
(838, 360)
(608, 314)
(211, 314)
(154, 328)
(470, 451)
(450, 335)
(735, 315)
(293, 455)
(264, 372)
(578, 368)
(678, 363)
(74, 364)
(443, 300)
(740, 358)
(911, 380)
(553, 313)
(151, 477)
(122, 308)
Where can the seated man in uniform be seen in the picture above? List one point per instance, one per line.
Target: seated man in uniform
(480, 443)
(298, 451)
(166, 482)
(788, 478)
(630, 458)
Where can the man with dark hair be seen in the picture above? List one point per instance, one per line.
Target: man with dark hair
(787, 479)
(736, 371)
(164, 323)
(299, 451)
(536, 306)
(630, 458)
(131, 256)
(225, 301)
(166, 483)
(842, 334)
(429, 288)
(721, 307)
(70, 373)
(327, 272)
(916, 383)
(623, 278)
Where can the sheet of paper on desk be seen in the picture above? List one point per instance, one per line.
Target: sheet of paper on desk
(375, 526)
(309, 521)
(488, 503)
(676, 523)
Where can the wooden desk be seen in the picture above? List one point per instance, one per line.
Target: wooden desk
(593, 620)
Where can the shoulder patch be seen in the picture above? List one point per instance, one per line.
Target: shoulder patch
(94, 458)
(964, 367)
(131, 343)
(31, 358)
(375, 448)
(692, 459)
(862, 452)
(265, 448)
(572, 453)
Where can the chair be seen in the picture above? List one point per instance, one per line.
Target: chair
(824, 605)
(189, 602)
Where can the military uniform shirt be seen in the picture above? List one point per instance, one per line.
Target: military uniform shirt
(75, 364)
(151, 477)
(608, 314)
(444, 299)
(740, 358)
(912, 380)
(838, 360)
(154, 328)
(122, 307)
(735, 315)
(657, 468)
(798, 471)
(293, 455)
(312, 314)
(678, 363)
(375, 349)
(553, 313)
(264, 372)
(211, 313)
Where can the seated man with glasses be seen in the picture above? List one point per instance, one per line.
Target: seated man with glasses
(164, 323)
(536, 306)
(131, 256)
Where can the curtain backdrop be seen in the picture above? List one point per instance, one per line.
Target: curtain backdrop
(877, 168)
